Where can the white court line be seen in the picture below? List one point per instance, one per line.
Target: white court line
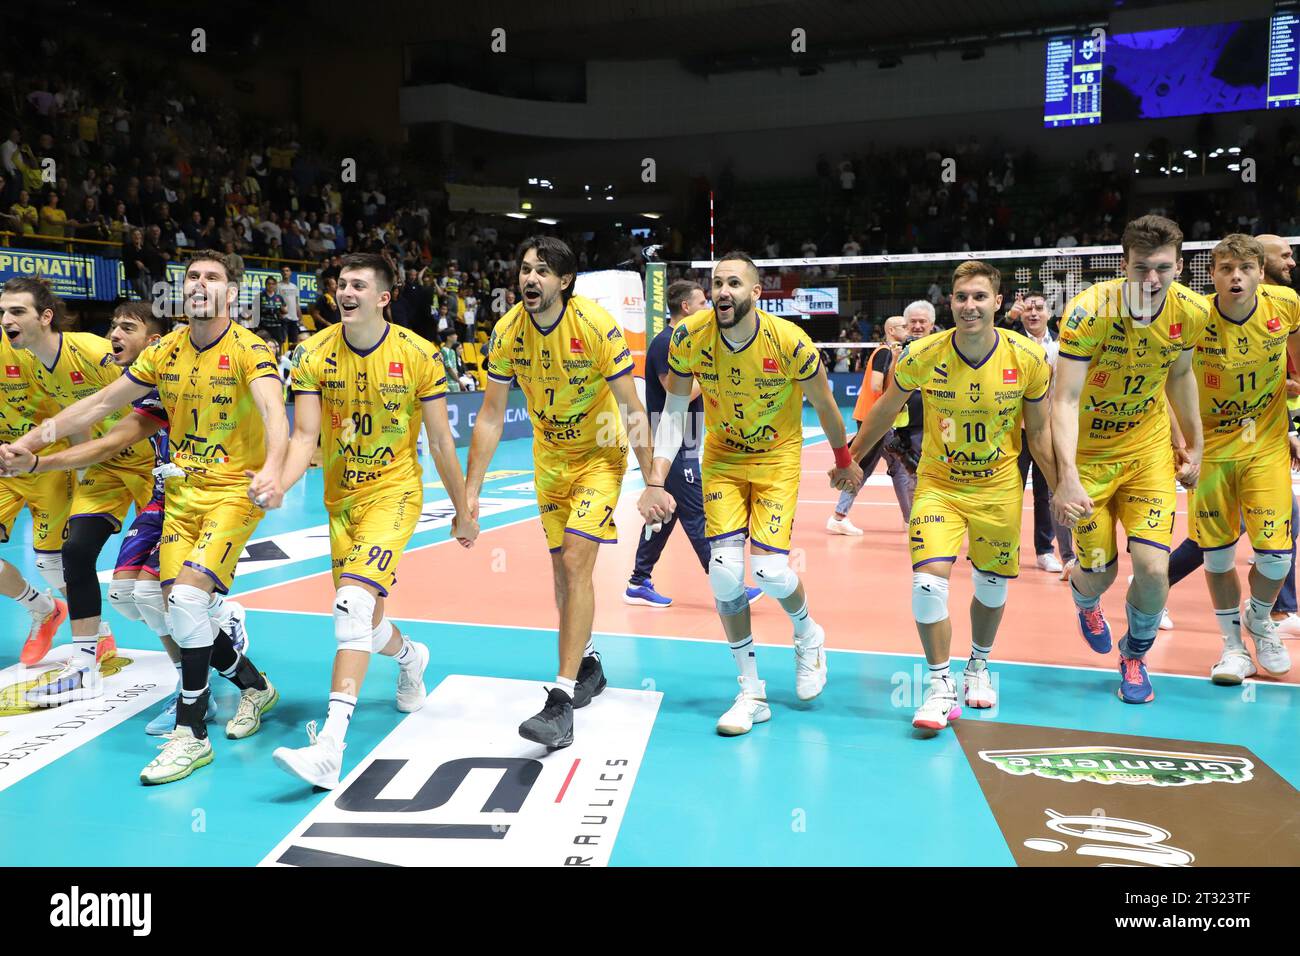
(789, 647)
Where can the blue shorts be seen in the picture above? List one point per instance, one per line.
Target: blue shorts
(139, 551)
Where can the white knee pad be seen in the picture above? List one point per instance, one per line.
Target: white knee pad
(121, 594)
(187, 612)
(990, 589)
(1272, 566)
(772, 573)
(153, 609)
(354, 609)
(727, 574)
(381, 635)
(929, 598)
(1222, 559)
(51, 567)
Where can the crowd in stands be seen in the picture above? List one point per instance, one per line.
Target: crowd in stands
(116, 151)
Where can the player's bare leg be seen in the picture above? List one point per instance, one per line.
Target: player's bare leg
(774, 576)
(1235, 665)
(1086, 588)
(190, 599)
(361, 630)
(1145, 602)
(577, 680)
(933, 624)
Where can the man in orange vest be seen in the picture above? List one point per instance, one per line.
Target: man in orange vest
(875, 379)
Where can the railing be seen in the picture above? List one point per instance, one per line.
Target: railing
(70, 244)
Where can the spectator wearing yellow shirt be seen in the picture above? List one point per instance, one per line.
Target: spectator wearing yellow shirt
(88, 125)
(54, 221)
(25, 213)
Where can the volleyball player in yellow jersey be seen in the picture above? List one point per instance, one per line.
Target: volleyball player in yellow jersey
(1126, 344)
(225, 403)
(48, 497)
(361, 388)
(753, 369)
(572, 363)
(71, 366)
(977, 385)
(1240, 367)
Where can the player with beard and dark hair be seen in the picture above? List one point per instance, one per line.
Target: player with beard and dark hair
(572, 363)
(753, 369)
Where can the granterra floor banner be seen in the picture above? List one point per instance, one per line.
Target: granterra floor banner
(1079, 798)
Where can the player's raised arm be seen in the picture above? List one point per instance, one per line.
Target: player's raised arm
(487, 435)
(127, 432)
(77, 417)
(1070, 502)
(302, 444)
(1180, 388)
(268, 394)
(442, 446)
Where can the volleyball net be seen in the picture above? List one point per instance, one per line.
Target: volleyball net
(822, 293)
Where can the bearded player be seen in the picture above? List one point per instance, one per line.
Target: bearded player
(223, 397)
(361, 389)
(754, 370)
(1126, 350)
(978, 384)
(572, 363)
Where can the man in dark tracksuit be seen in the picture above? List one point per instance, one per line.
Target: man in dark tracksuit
(683, 481)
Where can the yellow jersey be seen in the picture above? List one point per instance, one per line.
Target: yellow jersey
(973, 405)
(371, 406)
(83, 366)
(753, 400)
(1241, 375)
(25, 404)
(216, 431)
(1123, 415)
(563, 371)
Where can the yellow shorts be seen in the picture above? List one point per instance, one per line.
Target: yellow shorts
(367, 538)
(110, 490)
(1140, 493)
(579, 498)
(205, 530)
(756, 497)
(942, 516)
(1257, 490)
(48, 497)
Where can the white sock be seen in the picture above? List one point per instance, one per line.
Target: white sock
(339, 715)
(1259, 610)
(39, 604)
(940, 671)
(85, 645)
(407, 654)
(1230, 627)
(743, 653)
(804, 626)
(566, 684)
(590, 648)
(978, 653)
